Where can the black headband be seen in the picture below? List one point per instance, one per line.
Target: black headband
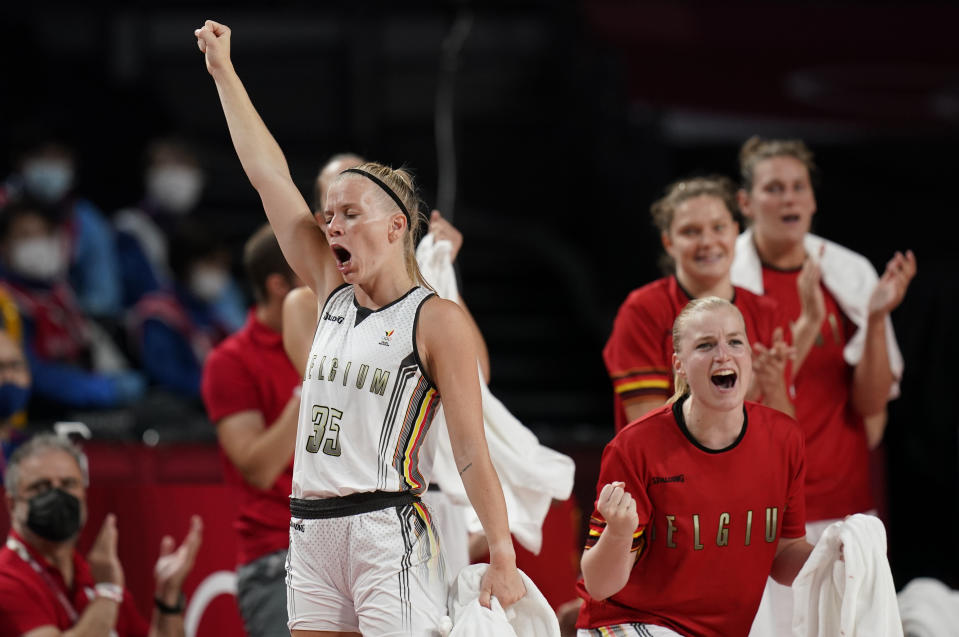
(376, 180)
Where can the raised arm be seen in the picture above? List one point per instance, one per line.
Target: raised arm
(769, 373)
(171, 569)
(303, 242)
(451, 362)
(873, 377)
(100, 615)
(805, 328)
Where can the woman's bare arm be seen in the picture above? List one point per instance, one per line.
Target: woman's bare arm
(303, 242)
(451, 362)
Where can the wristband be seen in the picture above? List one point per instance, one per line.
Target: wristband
(107, 590)
(171, 610)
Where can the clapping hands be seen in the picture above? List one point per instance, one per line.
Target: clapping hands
(892, 285)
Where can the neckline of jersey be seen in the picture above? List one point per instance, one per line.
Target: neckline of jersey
(369, 311)
(681, 423)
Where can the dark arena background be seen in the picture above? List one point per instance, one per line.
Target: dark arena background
(543, 130)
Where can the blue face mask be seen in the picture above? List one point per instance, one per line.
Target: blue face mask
(12, 399)
(48, 179)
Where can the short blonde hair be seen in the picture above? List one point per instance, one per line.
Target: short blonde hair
(693, 308)
(400, 181)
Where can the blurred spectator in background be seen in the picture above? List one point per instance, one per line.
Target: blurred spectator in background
(251, 391)
(698, 226)
(47, 174)
(331, 169)
(174, 181)
(174, 329)
(48, 588)
(73, 364)
(14, 393)
(853, 365)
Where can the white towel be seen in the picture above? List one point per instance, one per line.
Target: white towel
(532, 475)
(848, 276)
(851, 598)
(531, 616)
(929, 608)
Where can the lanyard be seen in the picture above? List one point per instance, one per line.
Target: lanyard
(17, 547)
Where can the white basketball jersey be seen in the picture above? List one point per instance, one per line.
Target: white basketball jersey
(366, 403)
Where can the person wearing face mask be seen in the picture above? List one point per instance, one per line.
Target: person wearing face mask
(47, 174)
(55, 333)
(46, 587)
(175, 329)
(173, 180)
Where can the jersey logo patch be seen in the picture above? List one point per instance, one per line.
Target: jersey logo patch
(680, 478)
(336, 319)
(387, 338)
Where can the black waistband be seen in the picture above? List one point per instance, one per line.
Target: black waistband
(352, 504)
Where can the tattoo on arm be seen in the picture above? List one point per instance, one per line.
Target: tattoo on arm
(463, 470)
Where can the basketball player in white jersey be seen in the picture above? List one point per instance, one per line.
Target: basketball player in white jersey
(363, 555)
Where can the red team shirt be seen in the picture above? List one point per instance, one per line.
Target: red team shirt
(30, 600)
(250, 371)
(837, 467)
(639, 352)
(709, 521)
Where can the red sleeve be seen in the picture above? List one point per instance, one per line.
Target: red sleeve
(794, 518)
(635, 352)
(615, 469)
(23, 608)
(228, 387)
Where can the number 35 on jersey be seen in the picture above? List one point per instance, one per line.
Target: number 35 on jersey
(326, 430)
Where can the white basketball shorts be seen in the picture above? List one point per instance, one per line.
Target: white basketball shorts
(376, 573)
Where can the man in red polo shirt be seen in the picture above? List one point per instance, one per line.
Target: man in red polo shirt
(46, 586)
(251, 392)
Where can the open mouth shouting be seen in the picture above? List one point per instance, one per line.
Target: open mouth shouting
(724, 378)
(342, 256)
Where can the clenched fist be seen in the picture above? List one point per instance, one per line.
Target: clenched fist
(213, 39)
(618, 508)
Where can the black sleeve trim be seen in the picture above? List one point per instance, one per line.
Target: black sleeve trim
(416, 351)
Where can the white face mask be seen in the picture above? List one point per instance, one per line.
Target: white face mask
(48, 179)
(174, 188)
(39, 258)
(208, 283)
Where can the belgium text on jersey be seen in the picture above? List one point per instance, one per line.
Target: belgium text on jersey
(330, 372)
(725, 526)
